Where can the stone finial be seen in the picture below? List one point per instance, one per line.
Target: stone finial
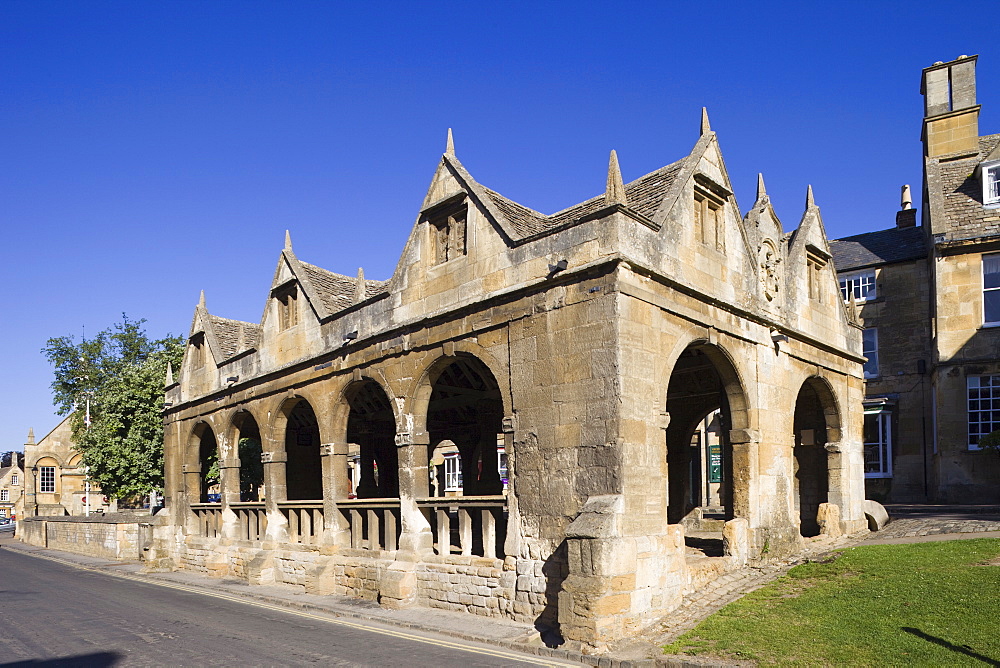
(288, 240)
(905, 198)
(31, 436)
(853, 314)
(615, 191)
(705, 126)
(761, 190)
(449, 148)
(169, 380)
(810, 200)
(201, 300)
(359, 287)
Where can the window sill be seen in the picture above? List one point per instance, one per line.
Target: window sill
(878, 476)
(989, 325)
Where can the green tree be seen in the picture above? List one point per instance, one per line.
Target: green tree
(120, 373)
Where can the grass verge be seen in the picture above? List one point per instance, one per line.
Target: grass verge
(928, 604)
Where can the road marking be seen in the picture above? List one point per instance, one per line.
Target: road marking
(404, 635)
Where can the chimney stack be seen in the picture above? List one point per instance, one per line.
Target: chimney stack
(907, 215)
(951, 115)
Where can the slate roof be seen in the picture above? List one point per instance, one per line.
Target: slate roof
(644, 196)
(881, 247)
(336, 291)
(961, 195)
(234, 336)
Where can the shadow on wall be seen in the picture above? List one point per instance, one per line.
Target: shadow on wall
(556, 570)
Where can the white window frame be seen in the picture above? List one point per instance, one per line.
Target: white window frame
(14, 480)
(452, 473)
(47, 486)
(882, 447)
(502, 465)
(861, 283)
(986, 290)
(991, 183)
(4, 496)
(983, 404)
(870, 353)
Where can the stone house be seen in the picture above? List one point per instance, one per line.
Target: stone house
(55, 480)
(590, 344)
(11, 492)
(929, 298)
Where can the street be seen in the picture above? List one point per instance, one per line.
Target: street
(53, 614)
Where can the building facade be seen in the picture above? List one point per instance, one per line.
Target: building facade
(505, 426)
(11, 492)
(55, 480)
(928, 297)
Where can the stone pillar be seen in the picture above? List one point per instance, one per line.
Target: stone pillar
(276, 490)
(336, 486)
(229, 485)
(414, 483)
(192, 494)
(512, 541)
(845, 465)
(745, 447)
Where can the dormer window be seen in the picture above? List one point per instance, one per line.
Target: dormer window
(710, 212)
(991, 183)
(288, 311)
(816, 262)
(448, 234)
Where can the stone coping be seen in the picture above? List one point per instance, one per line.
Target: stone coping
(97, 518)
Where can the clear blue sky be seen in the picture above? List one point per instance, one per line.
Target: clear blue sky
(149, 150)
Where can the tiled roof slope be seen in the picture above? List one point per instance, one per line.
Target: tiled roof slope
(962, 196)
(234, 336)
(644, 196)
(881, 247)
(336, 291)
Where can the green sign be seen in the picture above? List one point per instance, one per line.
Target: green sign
(715, 463)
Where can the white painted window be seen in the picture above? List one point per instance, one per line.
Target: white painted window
(870, 350)
(878, 443)
(984, 407)
(991, 289)
(991, 183)
(14, 481)
(452, 473)
(859, 283)
(4, 496)
(46, 479)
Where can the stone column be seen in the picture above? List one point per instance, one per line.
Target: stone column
(229, 484)
(336, 486)
(191, 474)
(414, 483)
(276, 490)
(846, 488)
(745, 444)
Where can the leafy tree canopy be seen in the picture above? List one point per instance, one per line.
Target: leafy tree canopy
(120, 372)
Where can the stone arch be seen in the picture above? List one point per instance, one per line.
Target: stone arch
(815, 423)
(704, 378)
(368, 415)
(460, 399)
(244, 435)
(202, 458)
(420, 391)
(295, 430)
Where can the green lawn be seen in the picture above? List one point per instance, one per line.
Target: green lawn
(926, 604)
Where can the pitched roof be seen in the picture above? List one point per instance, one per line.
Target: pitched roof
(644, 196)
(336, 291)
(881, 247)
(961, 194)
(234, 336)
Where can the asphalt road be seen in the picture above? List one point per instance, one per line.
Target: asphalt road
(52, 614)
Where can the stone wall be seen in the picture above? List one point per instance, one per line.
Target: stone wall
(108, 538)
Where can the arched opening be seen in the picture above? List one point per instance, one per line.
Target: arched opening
(466, 411)
(371, 433)
(303, 470)
(814, 423)
(208, 459)
(249, 451)
(705, 401)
